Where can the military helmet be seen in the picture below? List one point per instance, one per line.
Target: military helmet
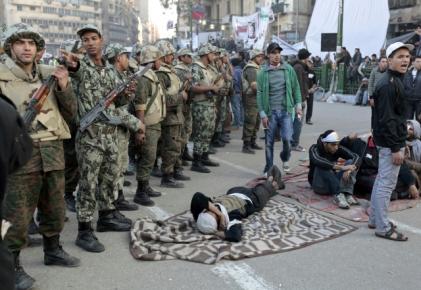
(114, 49)
(88, 27)
(165, 47)
(21, 30)
(149, 53)
(255, 52)
(184, 51)
(206, 49)
(137, 48)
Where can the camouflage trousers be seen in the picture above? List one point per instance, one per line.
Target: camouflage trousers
(171, 147)
(123, 156)
(251, 119)
(24, 193)
(99, 171)
(221, 113)
(71, 172)
(147, 152)
(203, 114)
(186, 130)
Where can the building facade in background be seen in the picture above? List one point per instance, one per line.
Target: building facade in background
(404, 16)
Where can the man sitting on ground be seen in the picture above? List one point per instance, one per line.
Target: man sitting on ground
(333, 169)
(220, 215)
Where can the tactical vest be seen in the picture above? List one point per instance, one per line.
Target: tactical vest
(19, 87)
(157, 109)
(175, 87)
(208, 80)
(246, 86)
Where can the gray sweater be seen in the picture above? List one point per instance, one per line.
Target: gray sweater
(375, 75)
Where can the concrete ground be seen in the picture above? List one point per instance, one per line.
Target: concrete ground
(358, 260)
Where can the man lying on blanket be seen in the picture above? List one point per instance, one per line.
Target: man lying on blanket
(220, 215)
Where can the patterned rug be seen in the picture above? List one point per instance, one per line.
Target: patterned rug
(279, 227)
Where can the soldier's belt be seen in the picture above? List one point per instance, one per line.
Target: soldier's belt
(103, 129)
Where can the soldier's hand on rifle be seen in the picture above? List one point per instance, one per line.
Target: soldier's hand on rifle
(62, 76)
(70, 58)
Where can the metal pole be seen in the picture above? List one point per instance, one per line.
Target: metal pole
(340, 26)
(296, 20)
(191, 23)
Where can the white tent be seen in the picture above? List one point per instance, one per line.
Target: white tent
(364, 26)
(287, 49)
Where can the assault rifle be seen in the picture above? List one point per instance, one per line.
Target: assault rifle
(98, 111)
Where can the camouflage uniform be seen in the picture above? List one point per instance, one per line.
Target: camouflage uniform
(98, 154)
(173, 122)
(40, 182)
(251, 114)
(203, 105)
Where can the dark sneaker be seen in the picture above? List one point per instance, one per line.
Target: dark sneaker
(89, 242)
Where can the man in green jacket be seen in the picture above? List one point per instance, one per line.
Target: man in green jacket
(278, 101)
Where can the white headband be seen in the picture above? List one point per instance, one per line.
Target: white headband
(331, 138)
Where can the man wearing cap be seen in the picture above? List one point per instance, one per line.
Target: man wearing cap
(183, 71)
(302, 71)
(221, 215)
(175, 95)
(333, 169)
(251, 113)
(278, 101)
(389, 132)
(40, 183)
(150, 107)
(118, 56)
(97, 148)
(203, 107)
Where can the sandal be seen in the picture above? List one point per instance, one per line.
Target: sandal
(372, 227)
(393, 235)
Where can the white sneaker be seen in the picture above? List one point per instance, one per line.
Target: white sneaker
(285, 167)
(341, 201)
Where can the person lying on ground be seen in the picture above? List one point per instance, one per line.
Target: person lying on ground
(333, 169)
(221, 215)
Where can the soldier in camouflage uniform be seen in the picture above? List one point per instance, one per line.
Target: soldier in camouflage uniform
(251, 113)
(118, 56)
(38, 184)
(96, 148)
(173, 122)
(225, 82)
(203, 91)
(149, 105)
(183, 71)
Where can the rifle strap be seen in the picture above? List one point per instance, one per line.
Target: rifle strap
(152, 99)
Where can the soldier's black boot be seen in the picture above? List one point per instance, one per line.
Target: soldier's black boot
(87, 240)
(112, 221)
(197, 164)
(169, 181)
(212, 150)
(247, 149)
(123, 204)
(216, 142)
(142, 197)
(254, 145)
(156, 171)
(150, 191)
(186, 155)
(207, 162)
(224, 138)
(178, 175)
(55, 255)
(22, 280)
(33, 228)
(70, 201)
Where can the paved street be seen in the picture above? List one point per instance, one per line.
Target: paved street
(354, 261)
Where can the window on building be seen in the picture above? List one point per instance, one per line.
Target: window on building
(217, 12)
(19, 7)
(32, 8)
(228, 7)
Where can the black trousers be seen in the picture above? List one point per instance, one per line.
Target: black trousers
(309, 112)
(413, 107)
(7, 273)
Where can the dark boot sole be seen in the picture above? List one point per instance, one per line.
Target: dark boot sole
(51, 263)
(200, 170)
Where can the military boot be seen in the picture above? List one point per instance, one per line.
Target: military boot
(186, 155)
(150, 191)
(216, 142)
(87, 240)
(197, 164)
(110, 221)
(254, 145)
(212, 150)
(247, 148)
(123, 204)
(22, 280)
(70, 201)
(224, 138)
(33, 228)
(169, 181)
(178, 175)
(142, 197)
(55, 255)
(156, 171)
(207, 162)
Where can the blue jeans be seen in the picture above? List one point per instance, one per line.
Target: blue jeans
(280, 121)
(237, 110)
(329, 182)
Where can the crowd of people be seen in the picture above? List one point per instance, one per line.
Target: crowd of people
(169, 99)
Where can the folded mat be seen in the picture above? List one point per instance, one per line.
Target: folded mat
(279, 227)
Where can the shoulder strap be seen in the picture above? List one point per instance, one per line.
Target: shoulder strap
(149, 104)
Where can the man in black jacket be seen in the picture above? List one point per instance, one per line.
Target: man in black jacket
(15, 151)
(389, 132)
(333, 169)
(412, 83)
